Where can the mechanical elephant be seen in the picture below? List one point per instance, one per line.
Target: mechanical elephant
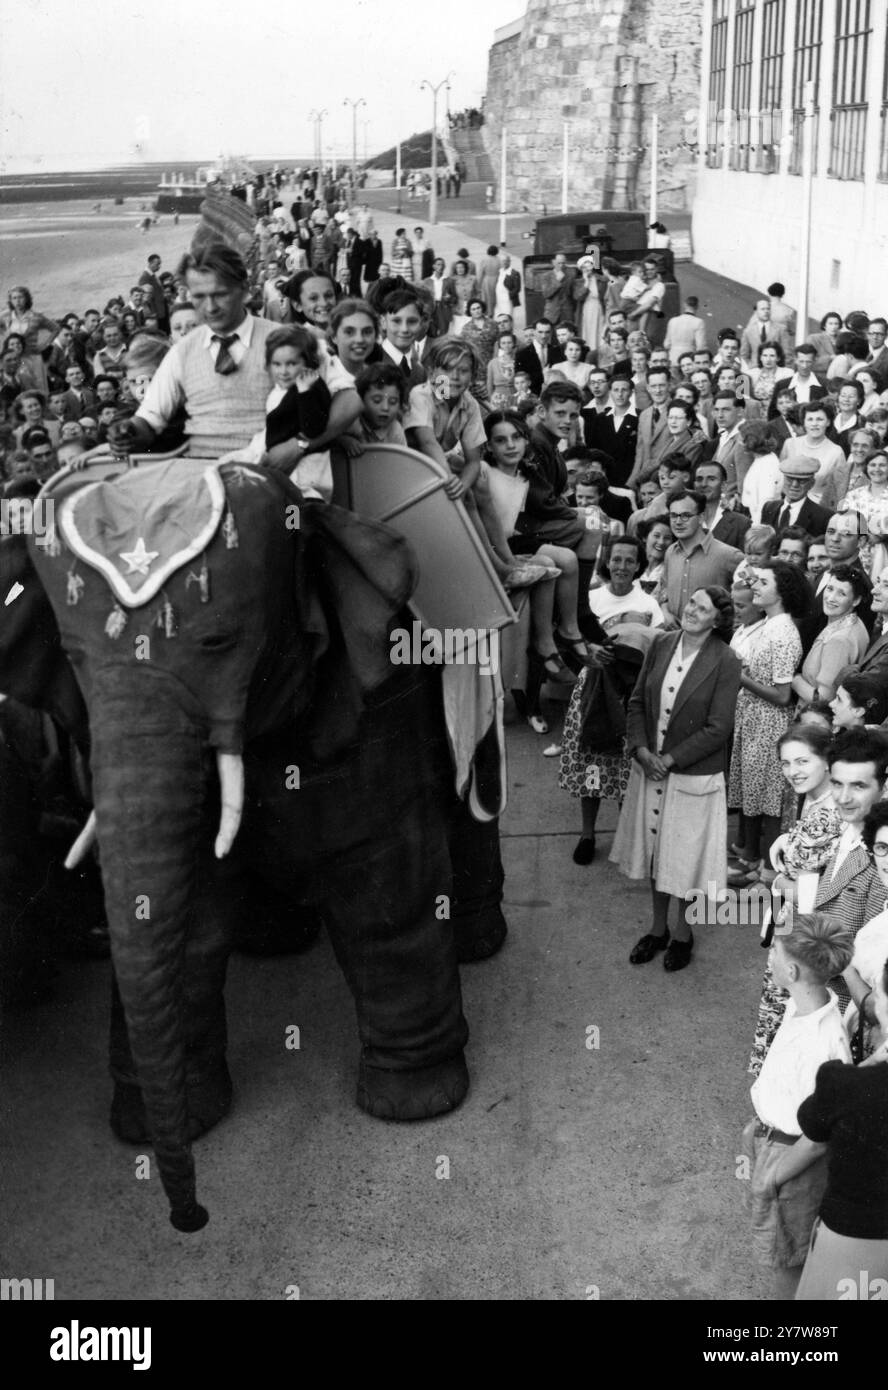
(252, 750)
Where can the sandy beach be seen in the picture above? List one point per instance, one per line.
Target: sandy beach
(72, 258)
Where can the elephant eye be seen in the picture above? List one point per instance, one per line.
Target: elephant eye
(218, 641)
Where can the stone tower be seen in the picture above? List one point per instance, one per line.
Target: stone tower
(604, 67)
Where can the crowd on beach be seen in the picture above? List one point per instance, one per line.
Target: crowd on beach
(698, 551)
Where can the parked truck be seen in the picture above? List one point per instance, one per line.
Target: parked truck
(619, 235)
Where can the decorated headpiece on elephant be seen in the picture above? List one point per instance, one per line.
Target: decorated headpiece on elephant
(246, 724)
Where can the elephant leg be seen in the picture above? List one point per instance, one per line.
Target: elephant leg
(479, 927)
(386, 915)
(208, 1085)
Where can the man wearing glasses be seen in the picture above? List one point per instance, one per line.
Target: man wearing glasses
(878, 352)
(696, 560)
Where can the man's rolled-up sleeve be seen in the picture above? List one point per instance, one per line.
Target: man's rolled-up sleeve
(165, 394)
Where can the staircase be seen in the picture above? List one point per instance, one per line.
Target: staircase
(469, 147)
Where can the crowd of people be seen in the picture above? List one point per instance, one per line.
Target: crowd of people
(702, 541)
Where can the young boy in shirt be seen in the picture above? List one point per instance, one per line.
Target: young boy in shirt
(788, 1175)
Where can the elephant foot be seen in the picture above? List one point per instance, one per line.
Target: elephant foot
(191, 1218)
(419, 1094)
(479, 937)
(208, 1103)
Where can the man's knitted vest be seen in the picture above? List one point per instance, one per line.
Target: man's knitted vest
(224, 412)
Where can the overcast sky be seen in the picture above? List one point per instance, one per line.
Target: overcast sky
(87, 82)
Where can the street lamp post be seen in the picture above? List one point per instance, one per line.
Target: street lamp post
(318, 117)
(354, 106)
(435, 89)
(366, 125)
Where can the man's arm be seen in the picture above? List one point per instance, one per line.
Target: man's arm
(165, 394)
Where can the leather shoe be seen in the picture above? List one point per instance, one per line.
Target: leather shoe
(585, 850)
(645, 949)
(678, 954)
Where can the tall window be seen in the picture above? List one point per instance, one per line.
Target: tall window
(718, 71)
(771, 94)
(806, 68)
(883, 154)
(848, 139)
(744, 57)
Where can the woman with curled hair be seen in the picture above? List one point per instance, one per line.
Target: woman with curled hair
(770, 662)
(38, 331)
(673, 823)
(771, 358)
(620, 606)
(480, 331)
(844, 640)
(353, 334)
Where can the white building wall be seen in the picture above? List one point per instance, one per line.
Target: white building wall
(748, 225)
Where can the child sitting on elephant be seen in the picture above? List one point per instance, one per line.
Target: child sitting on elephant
(298, 406)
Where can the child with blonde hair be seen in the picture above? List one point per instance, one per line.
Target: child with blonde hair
(787, 1177)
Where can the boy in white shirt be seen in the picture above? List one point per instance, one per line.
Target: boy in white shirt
(788, 1174)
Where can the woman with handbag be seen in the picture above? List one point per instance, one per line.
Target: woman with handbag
(593, 775)
(673, 825)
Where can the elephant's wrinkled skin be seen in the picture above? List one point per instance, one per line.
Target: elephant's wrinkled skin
(287, 666)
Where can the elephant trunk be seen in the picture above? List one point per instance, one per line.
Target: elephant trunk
(152, 775)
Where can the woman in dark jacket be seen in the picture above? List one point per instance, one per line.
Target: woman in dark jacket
(673, 823)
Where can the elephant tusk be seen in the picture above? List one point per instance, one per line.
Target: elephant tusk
(231, 785)
(83, 844)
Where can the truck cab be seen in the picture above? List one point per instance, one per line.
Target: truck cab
(620, 235)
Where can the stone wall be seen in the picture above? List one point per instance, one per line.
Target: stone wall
(604, 66)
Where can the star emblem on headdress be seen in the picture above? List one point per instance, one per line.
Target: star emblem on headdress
(139, 559)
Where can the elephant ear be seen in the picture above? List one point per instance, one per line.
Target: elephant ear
(356, 576)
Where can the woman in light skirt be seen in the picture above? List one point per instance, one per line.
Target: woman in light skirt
(673, 823)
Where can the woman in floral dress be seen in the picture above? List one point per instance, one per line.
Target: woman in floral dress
(763, 709)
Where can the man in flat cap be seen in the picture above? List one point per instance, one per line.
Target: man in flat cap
(795, 508)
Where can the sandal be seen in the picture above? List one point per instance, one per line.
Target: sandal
(523, 576)
(538, 724)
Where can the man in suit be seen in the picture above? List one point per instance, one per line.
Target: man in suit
(654, 439)
(557, 287)
(795, 507)
(539, 354)
(371, 256)
(721, 522)
(80, 400)
(878, 351)
(802, 381)
(612, 426)
(762, 330)
(153, 296)
(685, 332)
(511, 279)
(441, 287)
(728, 448)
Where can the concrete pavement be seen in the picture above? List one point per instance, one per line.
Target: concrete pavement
(570, 1166)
